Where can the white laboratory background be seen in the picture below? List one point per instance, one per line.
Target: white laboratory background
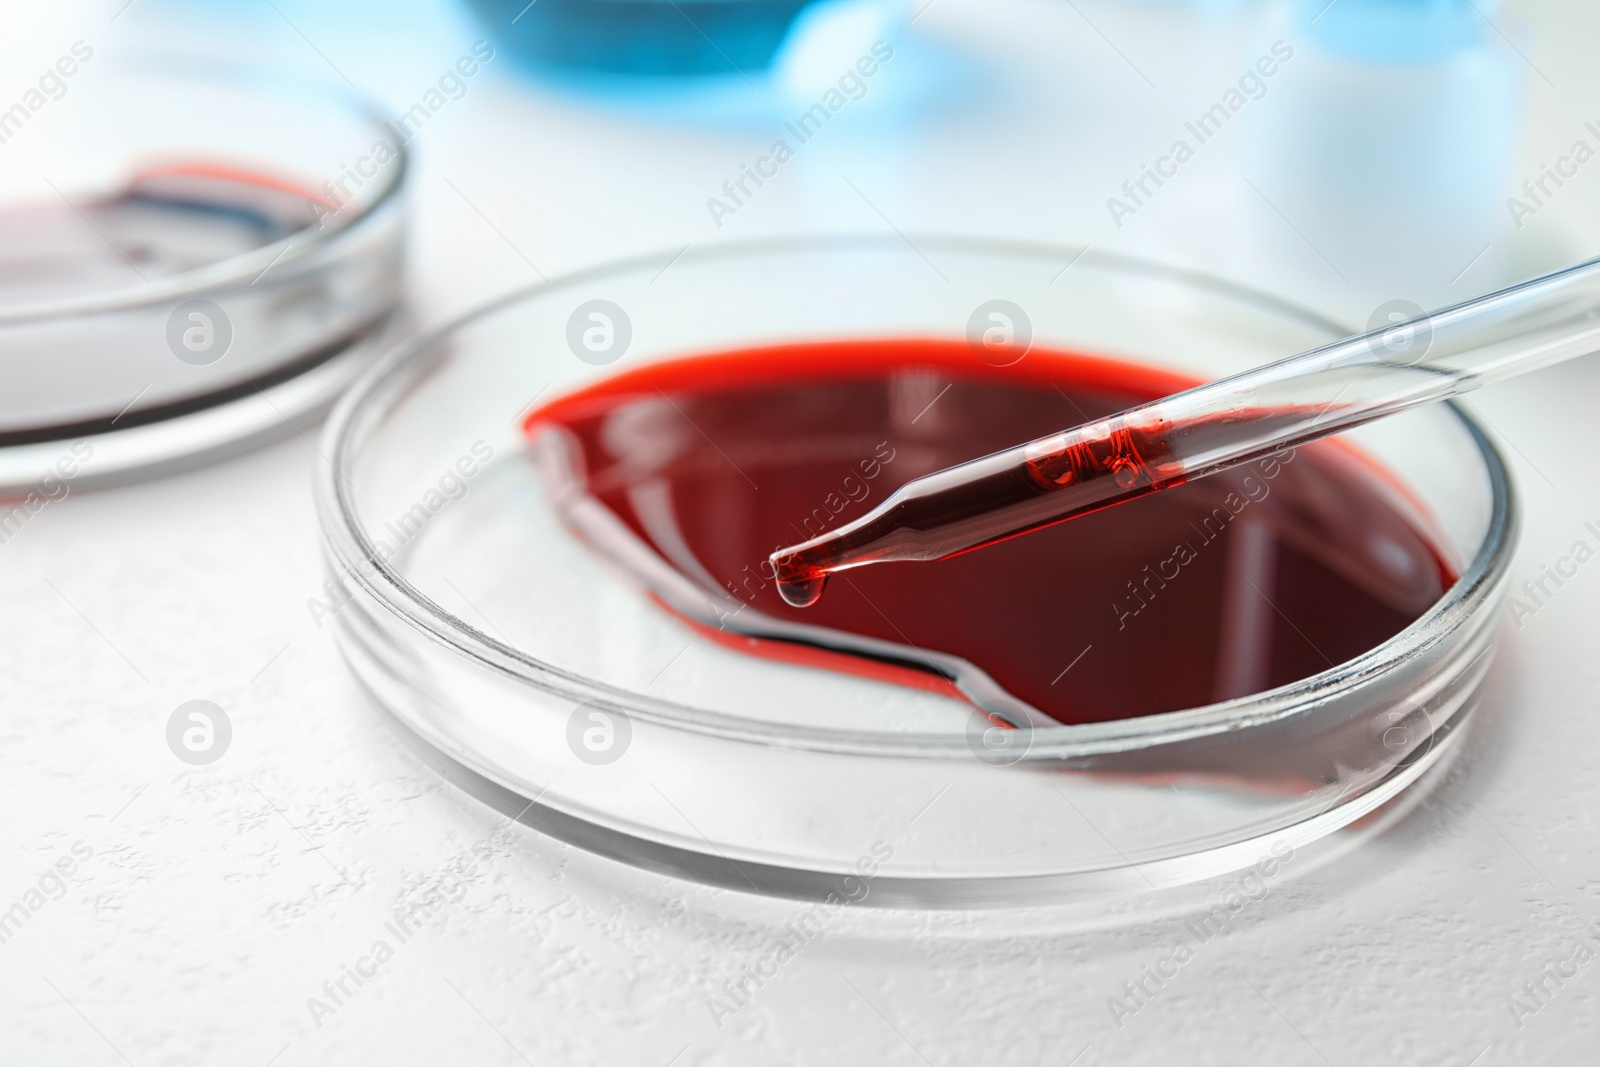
(208, 910)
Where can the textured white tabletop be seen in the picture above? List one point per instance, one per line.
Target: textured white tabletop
(210, 910)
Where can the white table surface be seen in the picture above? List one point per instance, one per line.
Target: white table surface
(218, 899)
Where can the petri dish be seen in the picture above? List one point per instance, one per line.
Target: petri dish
(541, 679)
(189, 260)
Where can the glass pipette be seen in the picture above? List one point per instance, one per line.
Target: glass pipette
(1210, 428)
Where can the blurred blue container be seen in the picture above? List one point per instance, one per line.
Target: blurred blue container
(1396, 31)
(655, 37)
(1389, 141)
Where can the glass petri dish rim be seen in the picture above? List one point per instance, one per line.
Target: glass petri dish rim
(354, 554)
(241, 268)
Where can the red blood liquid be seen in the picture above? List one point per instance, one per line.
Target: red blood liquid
(1243, 581)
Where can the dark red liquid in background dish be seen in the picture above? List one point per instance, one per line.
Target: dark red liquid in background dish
(1243, 581)
(170, 217)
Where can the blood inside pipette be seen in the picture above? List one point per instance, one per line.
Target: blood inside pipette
(1080, 471)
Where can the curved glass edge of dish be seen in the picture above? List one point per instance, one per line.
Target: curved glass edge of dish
(1229, 826)
(244, 420)
(1338, 828)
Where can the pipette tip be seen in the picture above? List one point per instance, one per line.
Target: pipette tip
(803, 589)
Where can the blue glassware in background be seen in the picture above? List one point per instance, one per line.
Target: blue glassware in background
(651, 37)
(1394, 31)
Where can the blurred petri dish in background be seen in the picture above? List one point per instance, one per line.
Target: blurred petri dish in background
(188, 262)
(548, 683)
